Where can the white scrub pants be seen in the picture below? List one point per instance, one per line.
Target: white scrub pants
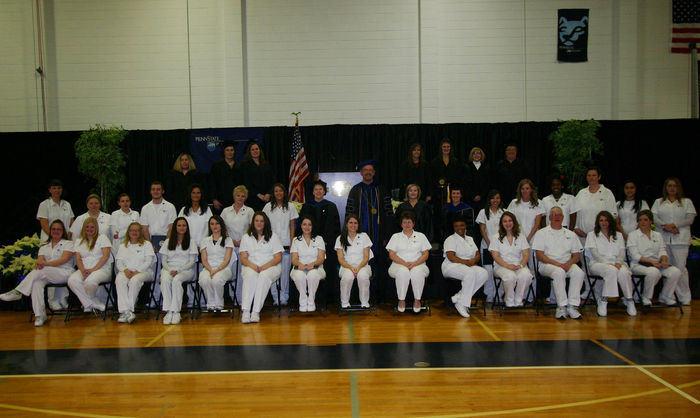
(256, 285)
(678, 255)
(515, 283)
(86, 288)
(213, 287)
(36, 281)
(472, 279)
(286, 265)
(403, 276)
(558, 276)
(346, 279)
(128, 289)
(651, 277)
(307, 283)
(172, 290)
(611, 277)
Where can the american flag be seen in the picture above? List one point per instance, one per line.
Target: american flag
(298, 169)
(686, 25)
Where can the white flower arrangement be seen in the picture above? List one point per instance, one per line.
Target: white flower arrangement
(18, 259)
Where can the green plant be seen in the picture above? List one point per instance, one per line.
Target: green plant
(575, 143)
(101, 158)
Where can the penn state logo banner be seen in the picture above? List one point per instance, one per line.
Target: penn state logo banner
(205, 144)
(572, 42)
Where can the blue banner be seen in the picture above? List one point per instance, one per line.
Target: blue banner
(205, 144)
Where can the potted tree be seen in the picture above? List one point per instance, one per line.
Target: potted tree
(575, 142)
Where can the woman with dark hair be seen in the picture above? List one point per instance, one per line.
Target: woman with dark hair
(565, 201)
(179, 253)
(354, 250)
(446, 171)
(53, 265)
(629, 207)
(478, 177)
(408, 251)
(675, 214)
(178, 180)
(282, 214)
(488, 219)
(422, 210)
(648, 257)
(197, 212)
(308, 253)
(605, 252)
(261, 254)
(511, 253)
(216, 255)
(135, 260)
(258, 176)
(93, 257)
(416, 170)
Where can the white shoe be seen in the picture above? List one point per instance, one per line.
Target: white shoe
(602, 308)
(122, 318)
(646, 302)
(344, 305)
(417, 309)
(55, 306)
(11, 296)
(245, 317)
(255, 317)
(573, 312)
(303, 308)
(455, 298)
(99, 306)
(463, 310)
(167, 319)
(87, 308)
(510, 304)
(560, 313)
(63, 303)
(631, 309)
(665, 301)
(400, 308)
(130, 317)
(40, 320)
(311, 307)
(364, 305)
(176, 318)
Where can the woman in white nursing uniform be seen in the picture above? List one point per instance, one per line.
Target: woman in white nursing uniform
(282, 214)
(120, 220)
(135, 259)
(308, 254)
(605, 252)
(354, 250)
(216, 252)
(53, 265)
(511, 253)
(488, 219)
(408, 251)
(197, 213)
(461, 258)
(238, 218)
(94, 206)
(527, 208)
(179, 253)
(261, 255)
(628, 208)
(674, 214)
(93, 257)
(648, 257)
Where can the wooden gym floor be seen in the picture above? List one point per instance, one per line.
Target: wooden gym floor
(355, 365)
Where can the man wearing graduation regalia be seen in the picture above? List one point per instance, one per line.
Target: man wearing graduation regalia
(371, 202)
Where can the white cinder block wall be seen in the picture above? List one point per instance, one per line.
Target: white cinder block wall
(164, 64)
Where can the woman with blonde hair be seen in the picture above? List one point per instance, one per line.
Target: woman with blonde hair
(422, 210)
(93, 256)
(179, 180)
(135, 258)
(237, 218)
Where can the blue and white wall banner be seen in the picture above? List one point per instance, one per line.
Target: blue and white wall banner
(572, 34)
(205, 144)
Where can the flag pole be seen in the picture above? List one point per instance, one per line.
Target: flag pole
(693, 46)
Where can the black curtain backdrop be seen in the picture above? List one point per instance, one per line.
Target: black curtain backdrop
(646, 150)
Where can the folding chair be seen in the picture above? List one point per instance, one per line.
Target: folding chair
(354, 297)
(638, 290)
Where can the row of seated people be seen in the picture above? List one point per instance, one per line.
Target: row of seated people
(556, 249)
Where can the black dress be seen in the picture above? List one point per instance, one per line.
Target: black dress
(419, 174)
(508, 175)
(177, 185)
(478, 184)
(259, 180)
(222, 180)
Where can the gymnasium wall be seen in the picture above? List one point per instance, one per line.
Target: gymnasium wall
(167, 64)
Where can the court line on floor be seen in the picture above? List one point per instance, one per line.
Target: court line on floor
(394, 369)
(354, 397)
(625, 328)
(104, 324)
(159, 336)
(56, 412)
(647, 372)
(566, 405)
(487, 329)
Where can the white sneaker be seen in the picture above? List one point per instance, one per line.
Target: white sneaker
(245, 317)
(344, 305)
(400, 309)
(303, 308)
(417, 309)
(122, 318)
(311, 307)
(99, 306)
(55, 306)
(560, 313)
(11, 296)
(130, 317)
(175, 319)
(167, 319)
(631, 309)
(39, 321)
(666, 301)
(255, 317)
(63, 303)
(646, 302)
(363, 305)
(510, 304)
(602, 308)
(455, 298)
(573, 312)
(463, 310)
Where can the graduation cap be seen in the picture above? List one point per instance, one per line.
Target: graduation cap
(362, 164)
